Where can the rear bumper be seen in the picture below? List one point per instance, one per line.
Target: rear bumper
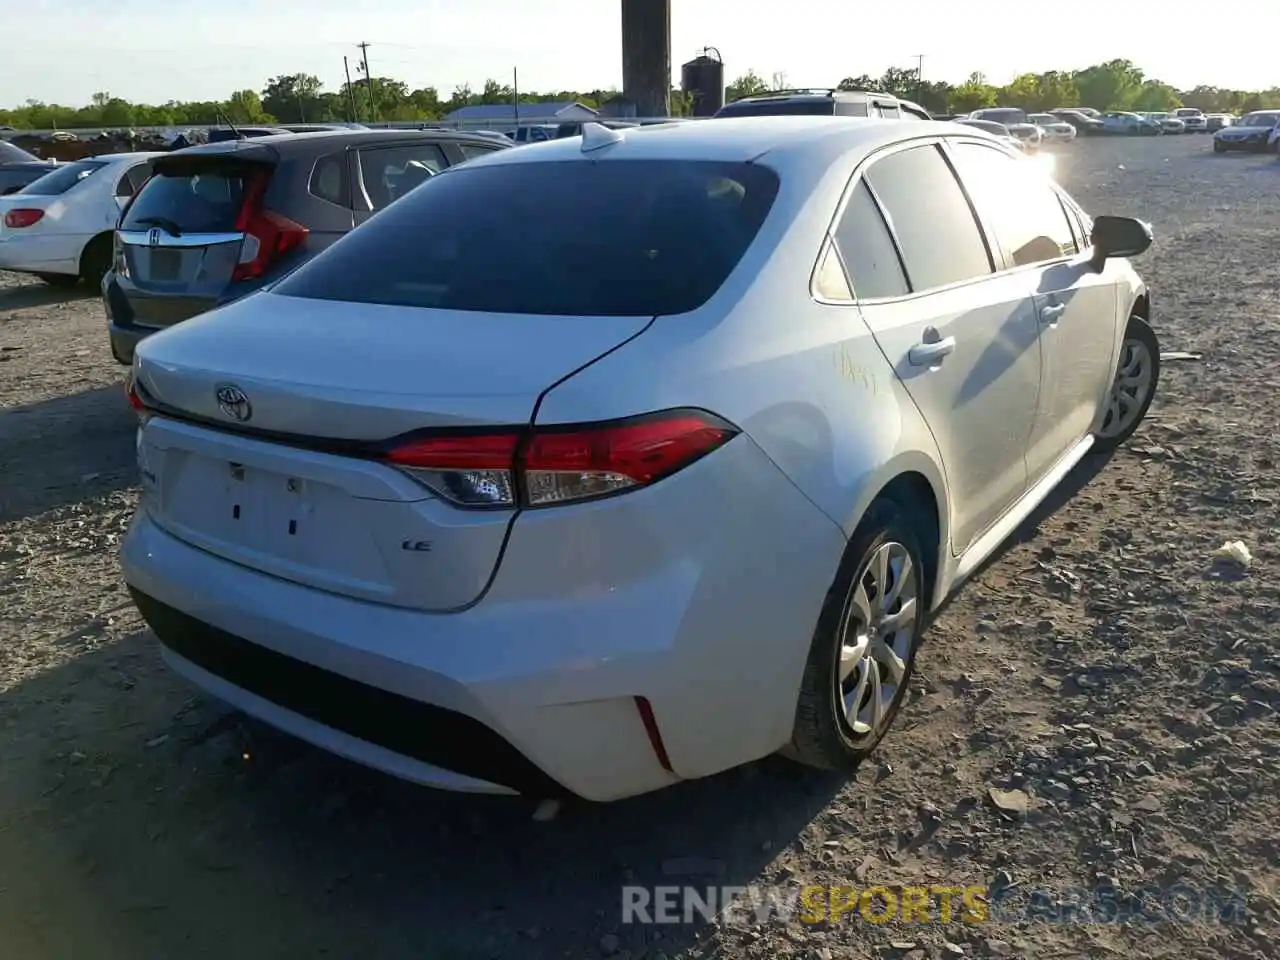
(534, 689)
(123, 330)
(34, 253)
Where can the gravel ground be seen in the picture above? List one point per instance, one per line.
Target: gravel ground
(1103, 673)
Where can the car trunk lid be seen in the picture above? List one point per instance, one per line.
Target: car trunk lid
(191, 230)
(290, 483)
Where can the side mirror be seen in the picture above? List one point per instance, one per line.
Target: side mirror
(1119, 237)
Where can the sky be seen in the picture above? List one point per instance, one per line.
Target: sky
(62, 51)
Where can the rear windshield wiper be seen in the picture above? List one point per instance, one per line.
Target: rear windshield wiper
(170, 226)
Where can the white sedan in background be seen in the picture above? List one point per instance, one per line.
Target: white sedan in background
(60, 226)
(1052, 129)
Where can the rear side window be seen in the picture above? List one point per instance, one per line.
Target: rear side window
(205, 202)
(391, 172)
(889, 111)
(1021, 207)
(867, 249)
(929, 214)
(852, 108)
(470, 151)
(626, 238)
(59, 181)
(11, 154)
(329, 180)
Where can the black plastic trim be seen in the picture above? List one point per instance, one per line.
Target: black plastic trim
(411, 728)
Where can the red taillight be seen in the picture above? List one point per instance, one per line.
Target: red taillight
(20, 217)
(268, 236)
(551, 465)
(135, 398)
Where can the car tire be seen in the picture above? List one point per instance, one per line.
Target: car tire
(60, 280)
(1133, 386)
(95, 261)
(1218, 148)
(844, 664)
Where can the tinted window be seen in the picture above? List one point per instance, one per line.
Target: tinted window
(829, 280)
(1022, 208)
(928, 212)
(204, 202)
(868, 250)
(329, 179)
(63, 179)
(1005, 116)
(852, 108)
(472, 150)
(391, 172)
(11, 154)
(623, 238)
(888, 110)
(777, 108)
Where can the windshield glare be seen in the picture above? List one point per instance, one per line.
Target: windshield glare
(1260, 120)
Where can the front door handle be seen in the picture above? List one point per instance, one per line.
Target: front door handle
(1051, 312)
(929, 354)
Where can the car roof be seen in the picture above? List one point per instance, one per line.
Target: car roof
(730, 139)
(286, 144)
(123, 157)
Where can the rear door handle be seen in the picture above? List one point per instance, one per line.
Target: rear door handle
(928, 354)
(1051, 312)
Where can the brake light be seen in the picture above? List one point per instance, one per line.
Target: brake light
(135, 399)
(552, 465)
(268, 236)
(20, 217)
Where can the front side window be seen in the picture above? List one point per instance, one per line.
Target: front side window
(1017, 201)
(627, 238)
(940, 241)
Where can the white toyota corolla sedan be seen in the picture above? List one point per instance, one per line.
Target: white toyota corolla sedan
(625, 459)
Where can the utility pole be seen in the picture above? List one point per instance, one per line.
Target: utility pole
(515, 94)
(368, 78)
(351, 93)
(919, 75)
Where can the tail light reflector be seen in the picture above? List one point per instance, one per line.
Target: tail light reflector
(135, 399)
(545, 466)
(268, 236)
(20, 217)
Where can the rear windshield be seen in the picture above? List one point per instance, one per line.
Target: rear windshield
(619, 238)
(57, 182)
(186, 202)
(11, 154)
(778, 108)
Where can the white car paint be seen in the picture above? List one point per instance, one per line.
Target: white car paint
(69, 221)
(697, 594)
(1053, 129)
(1195, 120)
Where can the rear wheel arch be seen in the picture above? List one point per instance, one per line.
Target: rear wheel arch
(919, 502)
(96, 256)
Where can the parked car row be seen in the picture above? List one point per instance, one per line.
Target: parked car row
(490, 494)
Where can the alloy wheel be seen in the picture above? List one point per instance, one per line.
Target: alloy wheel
(1130, 388)
(876, 640)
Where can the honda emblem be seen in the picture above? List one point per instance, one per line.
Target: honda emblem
(153, 237)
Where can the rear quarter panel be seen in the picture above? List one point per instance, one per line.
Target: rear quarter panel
(805, 380)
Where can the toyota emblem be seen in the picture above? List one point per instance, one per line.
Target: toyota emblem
(233, 403)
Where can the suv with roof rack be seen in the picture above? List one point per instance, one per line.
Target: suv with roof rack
(825, 102)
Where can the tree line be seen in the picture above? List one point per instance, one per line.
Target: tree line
(301, 98)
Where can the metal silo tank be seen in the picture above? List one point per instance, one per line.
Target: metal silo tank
(703, 79)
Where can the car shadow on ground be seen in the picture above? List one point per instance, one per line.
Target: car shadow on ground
(45, 447)
(43, 295)
(154, 818)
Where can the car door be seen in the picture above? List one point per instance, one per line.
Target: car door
(1077, 306)
(386, 172)
(961, 338)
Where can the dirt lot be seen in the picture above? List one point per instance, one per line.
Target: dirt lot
(1102, 665)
